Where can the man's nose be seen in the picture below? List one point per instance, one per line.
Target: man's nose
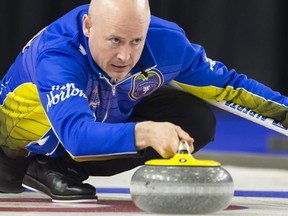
(124, 53)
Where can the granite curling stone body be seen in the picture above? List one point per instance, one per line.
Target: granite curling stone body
(181, 185)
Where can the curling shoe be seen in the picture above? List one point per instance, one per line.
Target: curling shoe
(60, 178)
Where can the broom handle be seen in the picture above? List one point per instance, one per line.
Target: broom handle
(251, 115)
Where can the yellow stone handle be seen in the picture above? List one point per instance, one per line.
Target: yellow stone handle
(183, 157)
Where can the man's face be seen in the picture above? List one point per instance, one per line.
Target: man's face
(116, 42)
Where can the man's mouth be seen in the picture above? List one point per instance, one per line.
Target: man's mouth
(120, 66)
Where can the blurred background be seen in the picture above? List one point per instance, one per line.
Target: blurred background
(250, 36)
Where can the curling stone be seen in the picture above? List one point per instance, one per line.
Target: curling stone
(181, 185)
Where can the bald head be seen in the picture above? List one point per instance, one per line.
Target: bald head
(131, 8)
(116, 31)
(139, 4)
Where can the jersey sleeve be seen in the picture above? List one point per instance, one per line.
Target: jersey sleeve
(62, 78)
(212, 81)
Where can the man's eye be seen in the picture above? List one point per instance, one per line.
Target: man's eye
(115, 40)
(136, 41)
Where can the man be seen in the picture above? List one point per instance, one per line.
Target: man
(89, 96)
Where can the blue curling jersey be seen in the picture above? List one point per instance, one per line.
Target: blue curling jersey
(55, 97)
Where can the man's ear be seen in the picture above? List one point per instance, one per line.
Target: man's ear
(86, 25)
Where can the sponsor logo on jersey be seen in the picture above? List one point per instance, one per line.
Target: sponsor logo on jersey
(211, 62)
(94, 100)
(3, 86)
(61, 93)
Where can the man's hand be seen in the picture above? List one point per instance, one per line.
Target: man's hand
(162, 136)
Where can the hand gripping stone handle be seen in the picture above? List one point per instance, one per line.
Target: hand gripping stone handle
(183, 147)
(248, 114)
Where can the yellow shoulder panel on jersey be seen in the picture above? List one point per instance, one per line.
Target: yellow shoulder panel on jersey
(22, 119)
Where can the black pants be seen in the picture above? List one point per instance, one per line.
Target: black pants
(12, 171)
(166, 104)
